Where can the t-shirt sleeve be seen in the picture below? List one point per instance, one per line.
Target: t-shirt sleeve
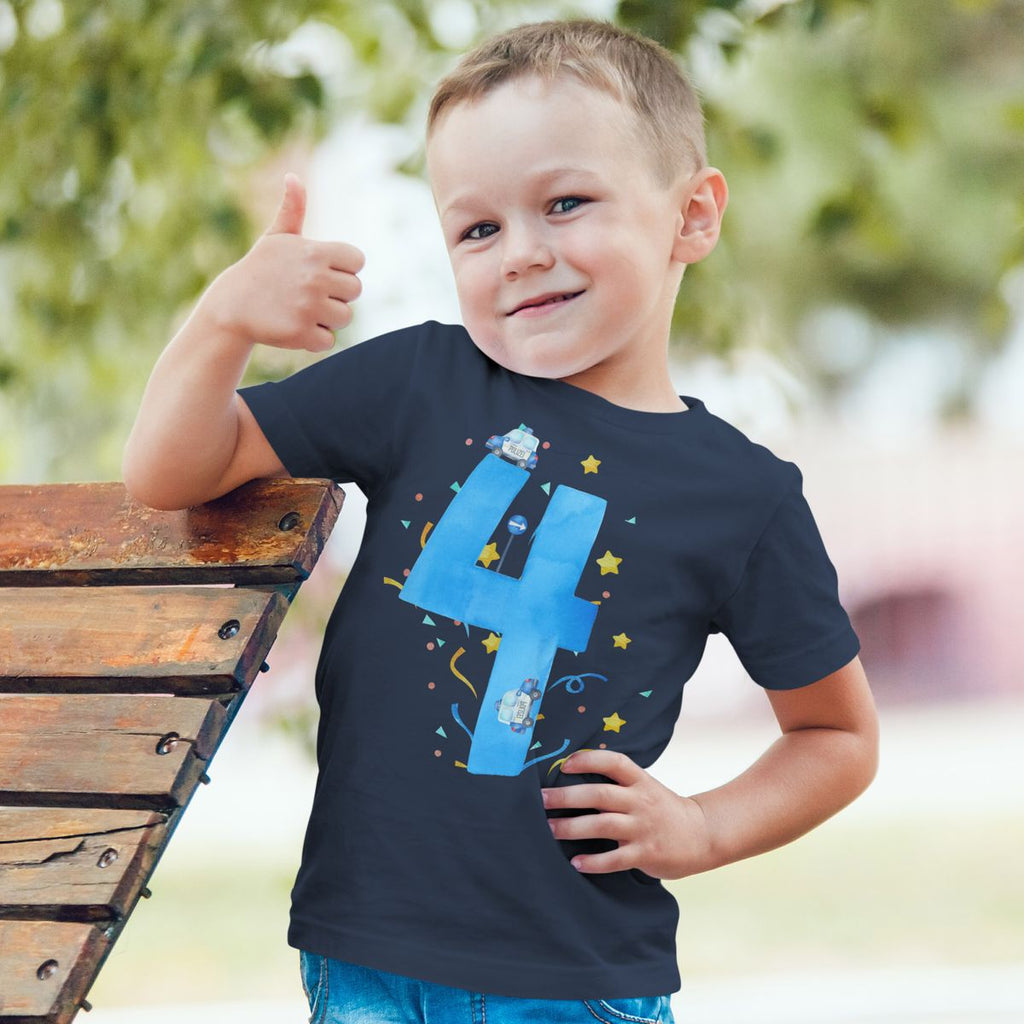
(337, 417)
(784, 618)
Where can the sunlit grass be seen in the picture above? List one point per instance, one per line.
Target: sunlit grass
(212, 931)
(906, 892)
(848, 895)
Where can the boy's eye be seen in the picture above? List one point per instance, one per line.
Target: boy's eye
(566, 204)
(479, 231)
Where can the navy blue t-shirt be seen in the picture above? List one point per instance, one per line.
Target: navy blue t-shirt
(539, 574)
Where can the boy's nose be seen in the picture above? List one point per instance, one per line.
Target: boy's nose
(524, 251)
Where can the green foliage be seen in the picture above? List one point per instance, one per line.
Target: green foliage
(121, 197)
(874, 152)
(132, 132)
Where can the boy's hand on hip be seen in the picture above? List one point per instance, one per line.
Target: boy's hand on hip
(658, 831)
(288, 291)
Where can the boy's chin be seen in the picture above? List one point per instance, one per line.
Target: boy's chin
(544, 364)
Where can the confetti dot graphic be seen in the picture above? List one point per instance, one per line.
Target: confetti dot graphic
(430, 645)
(431, 686)
(582, 708)
(419, 497)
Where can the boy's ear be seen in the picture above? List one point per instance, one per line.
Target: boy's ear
(704, 199)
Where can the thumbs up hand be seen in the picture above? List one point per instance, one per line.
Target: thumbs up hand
(292, 211)
(288, 291)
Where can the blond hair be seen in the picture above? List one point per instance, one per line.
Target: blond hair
(637, 71)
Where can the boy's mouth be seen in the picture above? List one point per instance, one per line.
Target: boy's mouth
(539, 301)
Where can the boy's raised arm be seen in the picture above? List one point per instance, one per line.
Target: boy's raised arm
(194, 438)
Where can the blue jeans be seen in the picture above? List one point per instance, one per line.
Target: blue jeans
(344, 993)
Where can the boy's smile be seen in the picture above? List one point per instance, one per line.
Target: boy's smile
(541, 304)
(564, 245)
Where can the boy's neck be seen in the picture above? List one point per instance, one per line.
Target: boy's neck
(647, 389)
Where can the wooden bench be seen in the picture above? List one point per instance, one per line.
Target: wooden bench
(129, 638)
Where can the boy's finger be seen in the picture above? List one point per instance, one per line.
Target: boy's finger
(344, 257)
(346, 288)
(610, 763)
(608, 825)
(320, 339)
(602, 863)
(597, 795)
(292, 211)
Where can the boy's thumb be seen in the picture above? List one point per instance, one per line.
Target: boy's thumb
(292, 210)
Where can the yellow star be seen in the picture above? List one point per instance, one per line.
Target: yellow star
(590, 464)
(609, 563)
(613, 723)
(491, 643)
(488, 555)
(622, 640)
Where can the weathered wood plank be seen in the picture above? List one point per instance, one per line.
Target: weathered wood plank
(93, 780)
(46, 968)
(25, 824)
(190, 639)
(82, 865)
(267, 531)
(105, 751)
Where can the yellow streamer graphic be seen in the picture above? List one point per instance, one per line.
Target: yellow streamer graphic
(394, 583)
(562, 760)
(423, 535)
(458, 675)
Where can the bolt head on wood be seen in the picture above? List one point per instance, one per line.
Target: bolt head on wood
(167, 743)
(47, 969)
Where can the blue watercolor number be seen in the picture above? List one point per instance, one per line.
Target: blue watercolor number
(535, 614)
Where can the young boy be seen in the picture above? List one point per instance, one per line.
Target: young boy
(552, 534)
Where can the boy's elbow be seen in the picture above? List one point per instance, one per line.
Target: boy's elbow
(864, 767)
(145, 486)
(862, 763)
(869, 767)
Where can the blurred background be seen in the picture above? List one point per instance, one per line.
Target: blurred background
(863, 316)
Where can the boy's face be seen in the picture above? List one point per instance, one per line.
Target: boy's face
(563, 244)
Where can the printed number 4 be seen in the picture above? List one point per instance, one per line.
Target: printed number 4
(535, 614)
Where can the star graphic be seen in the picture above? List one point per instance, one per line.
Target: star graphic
(488, 555)
(491, 643)
(590, 464)
(609, 563)
(613, 723)
(622, 640)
